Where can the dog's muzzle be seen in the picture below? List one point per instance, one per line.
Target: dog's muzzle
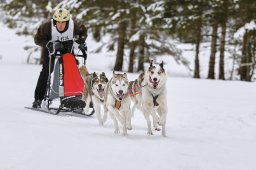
(120, 94)
(100, 92)
(154, 82)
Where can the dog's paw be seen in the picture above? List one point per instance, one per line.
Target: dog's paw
(157, 128)
(86, 111)
(164, 134)
(100, 123)
(116, 131)
(129, 127)
(150, 133)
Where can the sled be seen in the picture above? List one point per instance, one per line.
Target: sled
(65, 84)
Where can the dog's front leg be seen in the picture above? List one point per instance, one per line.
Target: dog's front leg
(115, 111)
(115, 116)
(146, 113)
(155, 120)
(163, 114)
(87, 102)
(115, 122)
(134, 106)
(105, 115)
(163, 123)
(98, 114)
(128, 119)
(124, 124)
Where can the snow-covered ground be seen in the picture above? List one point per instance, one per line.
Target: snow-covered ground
(210, 125)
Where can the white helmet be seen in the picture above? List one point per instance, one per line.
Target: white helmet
(61, 15)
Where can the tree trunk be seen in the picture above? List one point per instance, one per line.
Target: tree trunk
(120, 49)
(134, 43)
(211, 72)
(249, 61)
(131, 57)
(243, 68)
(141, 53)
(222, 51)
(198, 41)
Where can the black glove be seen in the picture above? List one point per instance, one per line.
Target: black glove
(80, 39)
(54, 46)
(83, 48)
(58, 45)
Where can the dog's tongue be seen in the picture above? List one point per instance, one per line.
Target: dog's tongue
(120, 96)
(101, 93)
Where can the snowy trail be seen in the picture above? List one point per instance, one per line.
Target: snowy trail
(211, 125)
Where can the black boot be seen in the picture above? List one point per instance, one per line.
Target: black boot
(37, 104)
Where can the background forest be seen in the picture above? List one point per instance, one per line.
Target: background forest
(140, 30)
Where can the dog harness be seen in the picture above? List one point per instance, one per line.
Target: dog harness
(134, 88)
(155, 95)
(154, 100)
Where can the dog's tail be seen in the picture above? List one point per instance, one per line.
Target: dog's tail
(83, 71)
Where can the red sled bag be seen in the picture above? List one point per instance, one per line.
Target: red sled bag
(73, 82)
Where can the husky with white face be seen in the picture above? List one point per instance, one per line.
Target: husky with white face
(117, 102)
(154, 102)
(98, 87)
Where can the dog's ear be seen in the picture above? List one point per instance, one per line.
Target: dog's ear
(94, 74)
(161, 64)
(141, 76)
(114, 74)
(124, 75)
(103, 75)
(151, 63)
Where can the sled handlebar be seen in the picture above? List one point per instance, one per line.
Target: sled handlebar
(51, 46)
(60, 55)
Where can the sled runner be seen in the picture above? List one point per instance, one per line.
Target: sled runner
(52, 111)
(65, 85)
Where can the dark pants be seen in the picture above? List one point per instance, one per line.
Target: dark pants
(44, 74)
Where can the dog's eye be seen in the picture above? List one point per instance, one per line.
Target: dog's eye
(123, 84)
(152, 72)
(159, 72)
(116, 84)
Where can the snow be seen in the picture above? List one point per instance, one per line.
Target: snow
(210, 124)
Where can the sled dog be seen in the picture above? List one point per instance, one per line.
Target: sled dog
(117, 102)
(86, 93)
(153, 97)
(135, 88)
(98, 86)
(94, 90)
